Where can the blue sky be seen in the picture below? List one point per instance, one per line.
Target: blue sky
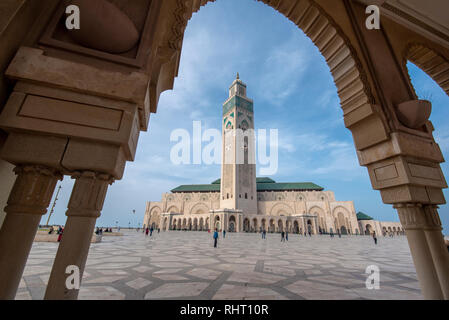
(293, 91)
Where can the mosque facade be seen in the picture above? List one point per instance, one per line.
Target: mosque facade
(242, 202)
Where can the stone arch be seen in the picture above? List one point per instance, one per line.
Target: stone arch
(429, 61)
(199, 208)
(173, 209)
(155, 214)
(368, 229)
(232, 224)
(255, 224)
(281, 208)
(246, 225)
(316, 210)
(345, 66)
(280, 225)
(296, 226)
(340, 214)
(271, 225)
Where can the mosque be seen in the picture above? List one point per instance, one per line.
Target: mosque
(242, 202)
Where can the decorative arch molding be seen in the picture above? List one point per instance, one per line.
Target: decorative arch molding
(155, 209)
(351, 80)
(279, 207)
(340, 208)
(199, 207)
(317, 208)
(428, 60)
(173, 209)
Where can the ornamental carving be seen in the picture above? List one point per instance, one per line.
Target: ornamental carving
(33, 189)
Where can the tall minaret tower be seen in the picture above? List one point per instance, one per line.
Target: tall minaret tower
(238, 169)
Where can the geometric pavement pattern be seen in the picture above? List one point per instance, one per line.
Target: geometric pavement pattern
(184, 265)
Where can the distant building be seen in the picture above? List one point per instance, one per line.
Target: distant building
(368, 225)
(241, 202)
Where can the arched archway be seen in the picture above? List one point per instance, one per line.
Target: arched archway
(255, 225)
(232, 224)
(280, 225)
(296, 226)
(368, 229)
(431, 62)
(217, 223)
(246, 225)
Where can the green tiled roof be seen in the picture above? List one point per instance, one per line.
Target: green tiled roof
(263, 184)
(283, 186)
(197, 188)
(258, 180)
(362, 216)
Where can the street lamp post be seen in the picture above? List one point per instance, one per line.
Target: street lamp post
(53, 206)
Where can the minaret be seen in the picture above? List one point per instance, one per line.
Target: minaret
(238, 169)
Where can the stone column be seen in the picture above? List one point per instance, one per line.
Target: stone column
(435, 240)
(28, 201)
(422, 227)
(85, 205)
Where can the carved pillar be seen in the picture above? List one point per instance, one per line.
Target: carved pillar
(423, 230)
(28, 201)
(437, 247)
(85, 205)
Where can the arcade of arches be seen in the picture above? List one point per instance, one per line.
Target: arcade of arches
(73, 104)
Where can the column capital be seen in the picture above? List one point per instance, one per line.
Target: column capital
(33, 189)
(88, 193)
(418, 216)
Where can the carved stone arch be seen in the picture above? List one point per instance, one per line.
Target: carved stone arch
(204, 197)
(173, 209)
(321, 216)
(170, 198)
(345, 66)
(316, 210)
(340, 208)
(199, 208)
(281, 207)
(429, 61)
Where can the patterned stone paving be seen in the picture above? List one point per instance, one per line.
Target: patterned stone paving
(184, 265)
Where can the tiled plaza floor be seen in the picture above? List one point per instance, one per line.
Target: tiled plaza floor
(184, 265)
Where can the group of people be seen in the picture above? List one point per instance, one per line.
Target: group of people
(151, 230)
(99, 231)
(58, 232)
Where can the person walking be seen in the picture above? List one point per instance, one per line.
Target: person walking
(375, 238)
(151, 231)
(282, 236)
(215, 238)
(286, 235)
(60, 234)
(224, 233)
(146, 231)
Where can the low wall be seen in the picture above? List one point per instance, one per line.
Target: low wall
(112, 234)
(43, 236)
